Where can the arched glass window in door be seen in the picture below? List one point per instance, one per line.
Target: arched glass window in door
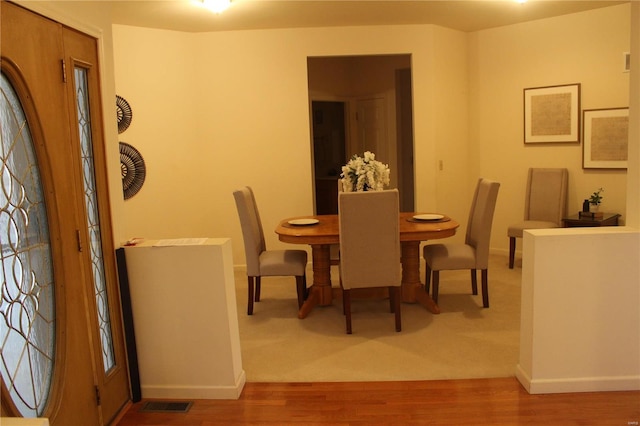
(93, 217)
(27, 305)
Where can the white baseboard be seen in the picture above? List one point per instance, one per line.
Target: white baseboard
(579, 384)
(523, 378)
(195, 392)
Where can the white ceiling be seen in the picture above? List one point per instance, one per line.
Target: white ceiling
(463, 15)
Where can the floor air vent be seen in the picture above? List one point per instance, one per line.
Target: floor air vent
(166, 406)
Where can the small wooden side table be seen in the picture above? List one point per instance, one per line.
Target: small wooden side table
(577, 220)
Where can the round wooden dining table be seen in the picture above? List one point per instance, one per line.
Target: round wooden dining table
(322, 234)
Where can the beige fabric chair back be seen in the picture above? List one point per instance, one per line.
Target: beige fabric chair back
(369, 239)
(252, 232)
(546, 198)
(480, 220)
(263, 244)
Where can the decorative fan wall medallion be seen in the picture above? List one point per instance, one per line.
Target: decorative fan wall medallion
(133, 170)
(124, 113)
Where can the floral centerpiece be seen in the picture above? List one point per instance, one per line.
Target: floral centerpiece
(364, 174)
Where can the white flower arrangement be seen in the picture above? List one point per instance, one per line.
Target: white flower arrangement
(364, 174)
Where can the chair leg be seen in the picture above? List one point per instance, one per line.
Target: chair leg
(436, 285)
(250, 298)
(512, 251)
(427, 280)
(306, 290)
(396, 299)
(346, 297)
(392, 299)
(485, 288)
(301, 290)
(474, 282)
(258, 287)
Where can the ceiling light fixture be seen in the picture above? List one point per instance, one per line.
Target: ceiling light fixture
(217, 6)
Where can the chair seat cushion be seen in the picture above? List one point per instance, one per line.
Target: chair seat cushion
(449, 256)
(283, 262)
(516, 229)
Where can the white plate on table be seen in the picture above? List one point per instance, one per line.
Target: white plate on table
(303, 222)
(428, 216)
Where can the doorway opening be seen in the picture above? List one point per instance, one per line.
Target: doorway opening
(358, 104)
(329, 150)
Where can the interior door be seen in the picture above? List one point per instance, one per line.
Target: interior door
(39, 58)
(372, 127)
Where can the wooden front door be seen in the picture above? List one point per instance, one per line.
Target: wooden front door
(53, 71)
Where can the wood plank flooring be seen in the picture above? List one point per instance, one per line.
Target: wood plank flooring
(500, 401)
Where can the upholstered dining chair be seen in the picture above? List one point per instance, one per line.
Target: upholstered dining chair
(545, 204)
(474, 253)
(370, 246)
(260, 261)
(334, 249)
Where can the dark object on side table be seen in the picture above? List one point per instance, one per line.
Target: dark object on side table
(584, 219)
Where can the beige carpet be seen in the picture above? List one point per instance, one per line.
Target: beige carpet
(464, 341)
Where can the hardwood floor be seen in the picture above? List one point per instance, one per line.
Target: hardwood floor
(452, 402)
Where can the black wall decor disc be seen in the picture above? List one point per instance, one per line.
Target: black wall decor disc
(124, 113)
(133, 170)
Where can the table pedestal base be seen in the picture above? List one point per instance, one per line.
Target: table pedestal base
(320, 292)
(412, 289)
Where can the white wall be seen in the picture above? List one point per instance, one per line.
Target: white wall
(236, 113)
(216, 111)
(580, 324)
(183, 299)
(585, 48)
(156, 75)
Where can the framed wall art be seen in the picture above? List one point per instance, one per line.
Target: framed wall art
(605, 135)
(552, 114)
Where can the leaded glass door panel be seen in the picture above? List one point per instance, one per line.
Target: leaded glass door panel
(27, 330)
(97, 241)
